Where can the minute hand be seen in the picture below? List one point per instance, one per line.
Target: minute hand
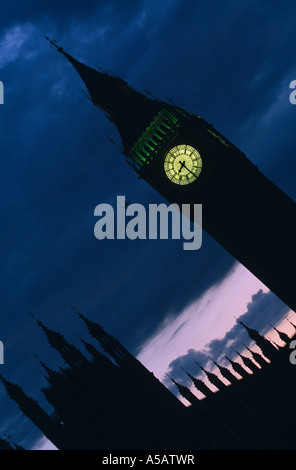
(184, 166)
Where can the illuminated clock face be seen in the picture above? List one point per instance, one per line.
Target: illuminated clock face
(182, 164)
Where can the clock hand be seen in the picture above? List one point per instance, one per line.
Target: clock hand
(184, 166)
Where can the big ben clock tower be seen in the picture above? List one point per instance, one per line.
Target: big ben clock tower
(188, 161)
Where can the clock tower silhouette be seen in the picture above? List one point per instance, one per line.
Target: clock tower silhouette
(188, 161)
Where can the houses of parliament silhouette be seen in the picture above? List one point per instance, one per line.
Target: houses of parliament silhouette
(112, 401)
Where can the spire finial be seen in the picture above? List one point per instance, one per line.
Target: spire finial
(211, 359)
(290, 322)
(54, 43)
(186, 372)
(39, 323)
(200, 366)
(235, 351)
(76, 311)
(170, 378)
(239, 321)
(4, 381)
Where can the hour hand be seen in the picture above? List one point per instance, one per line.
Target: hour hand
(182, 166)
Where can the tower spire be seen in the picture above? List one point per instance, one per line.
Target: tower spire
(257, 357)
(247, 361)
(34, 412)
(284, 337)
(70, 354)
(264, 344)
(129, 110)
(54, 43)
(238, 368)
(110, 344)
(199, 384)
(291, 323)
(100, 360)
(52, 375)
(213, 378)
(185, 392)
(226, 373)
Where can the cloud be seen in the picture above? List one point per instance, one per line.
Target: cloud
(264, 307)
(13, 41)
(208, 318)
(43, 444)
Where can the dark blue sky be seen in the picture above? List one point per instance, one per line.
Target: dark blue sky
(232, 62)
